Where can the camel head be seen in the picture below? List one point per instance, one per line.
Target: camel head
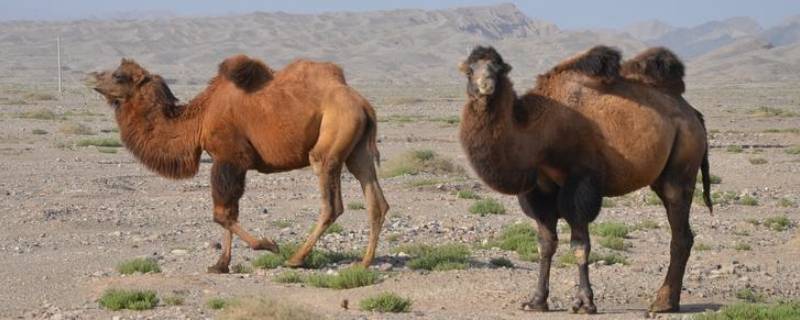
(123, 83)
(483, 68)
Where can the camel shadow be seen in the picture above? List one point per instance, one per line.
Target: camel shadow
(691, 308)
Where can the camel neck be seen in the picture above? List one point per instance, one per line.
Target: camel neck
(488, 136)
(163, 135)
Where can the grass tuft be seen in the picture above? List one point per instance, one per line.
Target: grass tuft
(438, 258)
(701, 247)
(76, 129)
(467, 194)
(734, 148)
(787, 203)
(610, 229)
(386, 302)
(781, 223)
(502, 263)
(317, 259)
(772, 112)
(143, 265)
(39, 132)
(520, 238)
(216, 303)
(118, 299)
(613, 243)
(757, 161)
(355, 205)
(741, 246)
(748, 311)
(174, 300)
(420, 161)
(486, 207)
(747, 200)
(100, 142)
(353, 277)
(289, 277)
(793, 150)
(40, 114)
(750, 295)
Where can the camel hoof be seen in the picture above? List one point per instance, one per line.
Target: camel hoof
(267, 244)
(663, 307)
(216, 269)
(535, 307)
(580, 307)
(292, 263)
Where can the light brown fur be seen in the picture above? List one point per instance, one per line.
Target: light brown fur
(251, 118)
(568, 142)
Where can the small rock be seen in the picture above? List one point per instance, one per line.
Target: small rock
(385, 267)
(179, 252)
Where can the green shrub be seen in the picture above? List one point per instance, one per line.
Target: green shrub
(789, 310)
(352, 277)
(502, 262)
(439, 258)
(173, 300)
(741, 246)
(263, 308)
(747, 200)
(420, 161)
(118, 299)
(386, 302)
(781, 223)
(143, 265)
(38, 132)
(356, 205)
(610, 229)
(613, 243)
(793, 150)
(486, 207)
(652, 199)
(772, 112)
(750, 295)
(241, 268)
(787, 203)
(734, 148)
(701, 247)
(76, 129)
(757, 161)
(520, 238)
(41, 114)
(315, 260)
(467, 194)
(647, 224)
(289, 277)
(216, 303)
(100, 142)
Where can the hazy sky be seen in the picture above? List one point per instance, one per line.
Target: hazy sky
(565, 13)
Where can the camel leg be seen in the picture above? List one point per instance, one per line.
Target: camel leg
(361, 164)
(579, 202)
(227, 184)
(542, 208)
(329, 172)
(677, 199)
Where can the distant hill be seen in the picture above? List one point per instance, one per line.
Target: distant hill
(380, 48)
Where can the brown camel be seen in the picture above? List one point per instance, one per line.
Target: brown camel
(251, 118)
(587, 130)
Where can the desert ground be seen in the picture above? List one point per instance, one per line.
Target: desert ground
(74, 211)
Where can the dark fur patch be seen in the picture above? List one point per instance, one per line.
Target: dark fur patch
(600, 62)
(657, 67)
(170, 106)
(227, 183)
(579, 200)
(488, 53)
(246, 73)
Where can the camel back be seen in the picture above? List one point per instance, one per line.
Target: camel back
(657, 67)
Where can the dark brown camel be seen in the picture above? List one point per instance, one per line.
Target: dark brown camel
(584, 132)
(250, 118)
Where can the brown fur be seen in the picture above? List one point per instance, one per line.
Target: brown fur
(657, 67)
(307, 115)
(565, 144)
(600, 64)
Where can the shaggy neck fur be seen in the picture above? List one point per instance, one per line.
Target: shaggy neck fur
(488, 139)
(162, 134)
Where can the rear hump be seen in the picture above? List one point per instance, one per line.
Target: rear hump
(657, 67)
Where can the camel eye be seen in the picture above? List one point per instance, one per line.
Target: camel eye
(119, 78)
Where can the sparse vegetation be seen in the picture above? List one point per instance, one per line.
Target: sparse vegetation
(713, 179)
(789, 310)
(701, 246)
(501, 263)
(241, 268)
(118, 299)
(100, 142)
(143, 265)
(40, 114)
(424, 182)
(355, 205)
(781, 223)
(569, 258)
(283, 223)
(485, 207)
(750, 295)
(263, 308)
(610, 229)
(420, 161)
(352, 277)
(772, 112)
(647, 224)
(609, 203)
(38, 132)
(734, 148)
(757, 161)
(520, 238)
(613, 243)
(386, 302)
(652, 199)
(290, 276)
(787, 203)
(315, 260)
(437, 258)
(216, 303)
(794, 150)
(741, 246)
(747, 200)
(40, 96)
(467, 194)
(76, 129)
(107, 150)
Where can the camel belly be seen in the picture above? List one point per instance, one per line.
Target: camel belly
(636, 142)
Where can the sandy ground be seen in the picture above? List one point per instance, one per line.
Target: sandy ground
(72, 213)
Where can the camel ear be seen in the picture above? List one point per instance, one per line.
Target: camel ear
(140, 79)
(463, 67)
(506, 68)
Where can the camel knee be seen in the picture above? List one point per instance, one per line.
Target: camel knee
(225, 216)
(547, 248)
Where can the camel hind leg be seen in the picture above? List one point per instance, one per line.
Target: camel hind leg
(361, 164)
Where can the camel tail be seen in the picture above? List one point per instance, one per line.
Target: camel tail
(246, 73)
(657, 67)
(372, 134)
(704, 168)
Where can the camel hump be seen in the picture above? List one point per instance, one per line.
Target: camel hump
(246, 73)
(600, 63)
(657, 67)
